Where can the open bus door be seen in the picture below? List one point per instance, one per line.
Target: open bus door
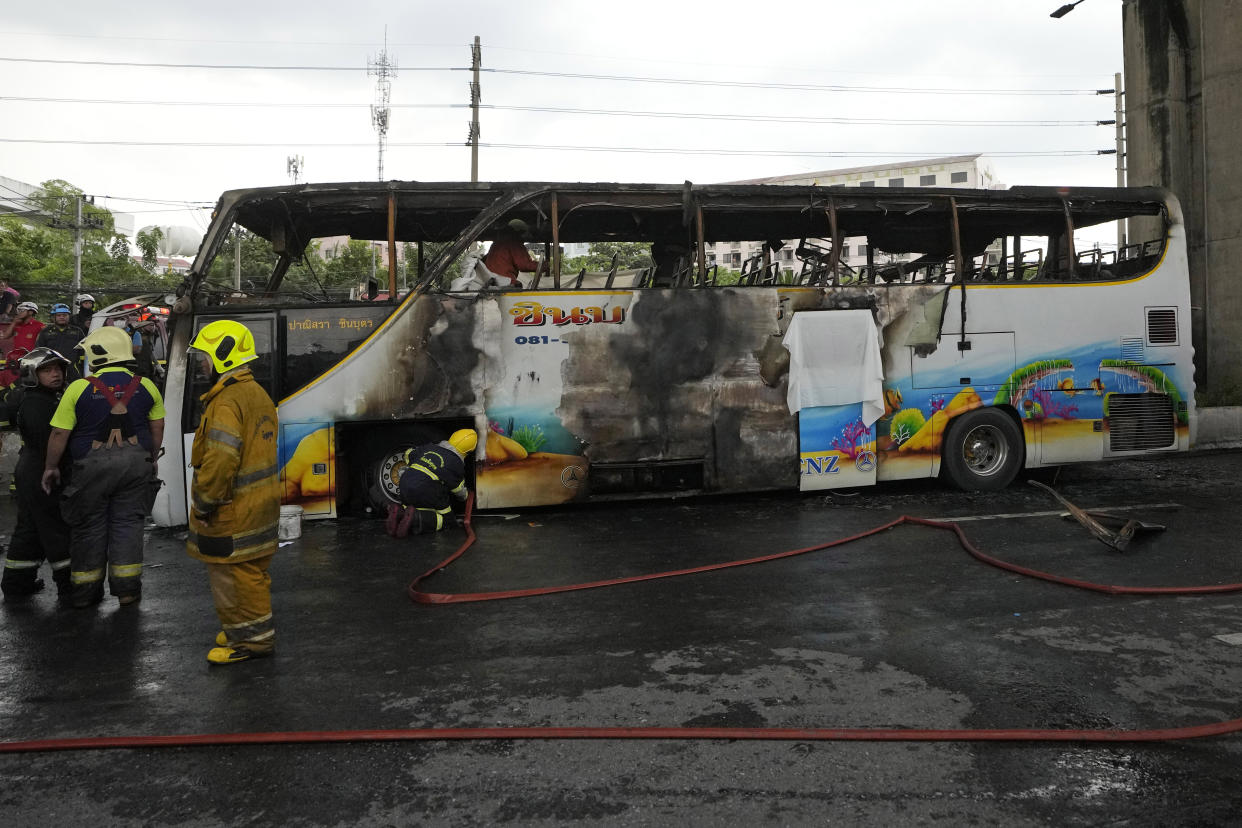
(836, 389)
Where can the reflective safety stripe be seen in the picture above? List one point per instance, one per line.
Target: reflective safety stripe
(59, 565)
(201, 503)
(228, 545)
(12, 564)
(125, 570)
(224, 437)
(255, 476)
(88, 577)
(253, 623)
(424, 470)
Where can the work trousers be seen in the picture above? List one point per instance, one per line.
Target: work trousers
(428, 498)
(40, 534)
(242, 593)
(106, 503)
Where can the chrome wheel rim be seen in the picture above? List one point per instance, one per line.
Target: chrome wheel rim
(985, 450)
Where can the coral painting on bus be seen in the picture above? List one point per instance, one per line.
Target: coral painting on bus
(836, 448)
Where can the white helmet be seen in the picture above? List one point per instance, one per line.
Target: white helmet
(30, 306)
(83, 297)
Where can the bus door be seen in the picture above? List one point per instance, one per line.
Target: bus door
(836, 390)
(200, 379)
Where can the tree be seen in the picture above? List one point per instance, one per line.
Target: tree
(599, 257)
(148, 242)
(36, 249)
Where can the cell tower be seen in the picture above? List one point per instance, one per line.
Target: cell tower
(383, 69)
(294, 166)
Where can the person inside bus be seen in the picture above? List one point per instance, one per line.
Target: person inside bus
(508, 257)
(432, 473)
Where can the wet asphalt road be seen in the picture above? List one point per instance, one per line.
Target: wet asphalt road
(902, 630)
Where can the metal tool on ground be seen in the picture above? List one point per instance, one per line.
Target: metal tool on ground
(1094, 522)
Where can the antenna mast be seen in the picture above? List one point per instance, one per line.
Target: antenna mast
(293, 165)
(383, 69)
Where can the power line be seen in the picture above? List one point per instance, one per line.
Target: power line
(713, 116)
(264, 67)
(802, 87)
(560, 147)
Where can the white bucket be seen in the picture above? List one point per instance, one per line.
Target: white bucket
(290, 523)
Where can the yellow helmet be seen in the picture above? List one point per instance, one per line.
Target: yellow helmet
(107, 346)
(464, 441)
(228, 343)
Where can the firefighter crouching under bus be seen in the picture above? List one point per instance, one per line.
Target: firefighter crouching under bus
(41, 533)
(235, 496)
(113, 424)
(432, 472)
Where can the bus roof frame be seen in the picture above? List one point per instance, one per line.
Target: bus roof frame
(896, 219)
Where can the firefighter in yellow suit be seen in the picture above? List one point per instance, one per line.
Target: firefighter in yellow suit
(235, 496)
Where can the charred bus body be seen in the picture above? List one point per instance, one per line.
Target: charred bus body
(991, 345)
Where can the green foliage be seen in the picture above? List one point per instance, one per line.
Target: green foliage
(725, 277)
(530, 437)
(599, 257)
(36, 251)
(148, 242)
(905, 424)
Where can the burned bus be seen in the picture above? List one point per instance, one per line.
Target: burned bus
(976, 341)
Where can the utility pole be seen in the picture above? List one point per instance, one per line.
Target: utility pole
(77, 226)
(383, 69)
(77, 250)
(476, 95)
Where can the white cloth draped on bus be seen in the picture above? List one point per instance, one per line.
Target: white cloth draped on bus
(834, 359)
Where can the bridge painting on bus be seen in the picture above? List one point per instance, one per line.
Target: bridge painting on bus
(642, 388)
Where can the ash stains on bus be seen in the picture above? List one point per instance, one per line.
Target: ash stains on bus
(451, 347)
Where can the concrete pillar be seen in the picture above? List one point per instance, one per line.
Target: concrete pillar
(1182, 123)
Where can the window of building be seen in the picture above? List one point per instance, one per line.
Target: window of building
(896, 182)
(788, 255)
(927, 181)
(845, 251)
(866, 183)
(862, 250)
(958, 177)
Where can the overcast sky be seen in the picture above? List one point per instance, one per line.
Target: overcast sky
(898, 60)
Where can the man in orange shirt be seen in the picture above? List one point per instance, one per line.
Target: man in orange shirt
(507, 256)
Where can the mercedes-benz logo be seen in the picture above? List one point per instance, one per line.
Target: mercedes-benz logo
(571, 477)
(865, 461)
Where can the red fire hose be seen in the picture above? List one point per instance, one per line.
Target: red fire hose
(679, 733)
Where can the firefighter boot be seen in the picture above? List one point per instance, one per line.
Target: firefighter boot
(231, 655)
(412, 517)
(394, 519)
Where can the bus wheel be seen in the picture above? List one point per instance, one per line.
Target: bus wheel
(380, 461)
(982, 450)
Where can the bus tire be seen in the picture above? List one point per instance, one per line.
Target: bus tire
(982, 450)
(380, 461)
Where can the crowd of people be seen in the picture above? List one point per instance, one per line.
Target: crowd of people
(91, 424)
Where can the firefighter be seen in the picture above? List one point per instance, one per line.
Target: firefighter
(235, 496)
(112, 424)
(41, 533)
(86, 309)
(62, 336)
(432, 472)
